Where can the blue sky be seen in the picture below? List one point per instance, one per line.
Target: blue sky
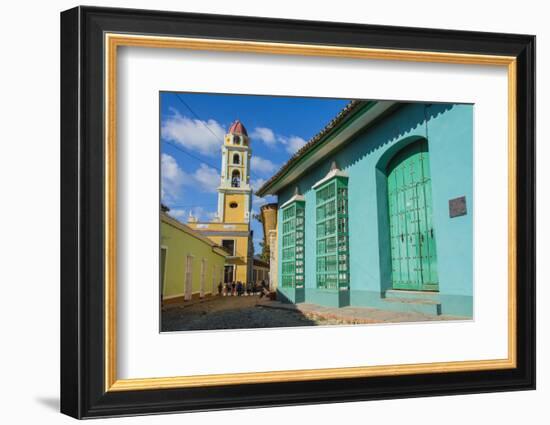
(192, 127)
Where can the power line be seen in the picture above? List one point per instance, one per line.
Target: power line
(203, 122)
(197, 117)
(196, 158)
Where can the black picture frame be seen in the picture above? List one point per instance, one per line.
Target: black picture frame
(83, 392)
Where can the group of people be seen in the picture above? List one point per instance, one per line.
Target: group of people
(239, 288)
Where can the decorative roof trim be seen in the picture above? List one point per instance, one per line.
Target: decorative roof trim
(295, 198)
(334, 172)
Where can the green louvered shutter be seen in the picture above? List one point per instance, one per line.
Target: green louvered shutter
(332, 234)
(293, 245)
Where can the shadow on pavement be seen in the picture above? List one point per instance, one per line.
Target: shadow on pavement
(232, 312)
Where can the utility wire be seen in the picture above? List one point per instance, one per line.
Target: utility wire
(196, 158)
(218, 169)
(203, 122)
(197, 117)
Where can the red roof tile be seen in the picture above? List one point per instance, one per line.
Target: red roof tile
(238, 128)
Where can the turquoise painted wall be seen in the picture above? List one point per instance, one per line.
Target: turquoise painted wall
(449, 131)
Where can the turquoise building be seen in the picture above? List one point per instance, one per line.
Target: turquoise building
(376, 210)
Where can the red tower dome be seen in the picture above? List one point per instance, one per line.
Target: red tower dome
(238, 128)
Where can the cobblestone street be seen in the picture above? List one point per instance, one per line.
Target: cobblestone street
(247, 312)
(229, 313)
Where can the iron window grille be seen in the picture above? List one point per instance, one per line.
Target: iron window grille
(293, 265)
(332, 228)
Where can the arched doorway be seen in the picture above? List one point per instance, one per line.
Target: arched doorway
(412, 235)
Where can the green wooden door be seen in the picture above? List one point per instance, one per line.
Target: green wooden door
(412, 237)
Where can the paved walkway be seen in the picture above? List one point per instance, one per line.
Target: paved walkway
(248, 312)
(355, 315)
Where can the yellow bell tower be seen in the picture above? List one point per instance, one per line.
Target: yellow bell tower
(234, 191)
(231, 226)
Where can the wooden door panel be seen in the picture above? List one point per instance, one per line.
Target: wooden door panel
(412, 238)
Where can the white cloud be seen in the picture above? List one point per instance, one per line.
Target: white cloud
(268, 199)
(261, 165)
(268, 136)
(292, 143)
(202, 215)
(265, 134)
(173, 178)
(204, 137)
(256, 183)
(178, 213)
(207, 178)
(197, 212)
(257, 201)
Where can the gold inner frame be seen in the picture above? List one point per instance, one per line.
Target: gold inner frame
(113, 41)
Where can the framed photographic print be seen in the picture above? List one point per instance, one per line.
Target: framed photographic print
(261, 212)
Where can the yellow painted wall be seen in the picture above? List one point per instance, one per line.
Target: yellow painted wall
(234, 215)
(241, 243)
(179, 244)
(241, 274)
(241, 250)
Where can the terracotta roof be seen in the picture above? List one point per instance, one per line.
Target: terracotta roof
(315, 140)
(238, 128)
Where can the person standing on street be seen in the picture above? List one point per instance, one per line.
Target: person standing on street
(263, 289)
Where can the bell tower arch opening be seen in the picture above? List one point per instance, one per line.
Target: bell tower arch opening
(235, 178)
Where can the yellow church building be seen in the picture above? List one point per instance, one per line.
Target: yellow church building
(231, 226)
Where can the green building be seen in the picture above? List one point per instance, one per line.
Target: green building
(376, 210)
(191, 265)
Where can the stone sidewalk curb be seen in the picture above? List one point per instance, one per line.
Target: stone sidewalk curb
(312, 314)
(358, 315)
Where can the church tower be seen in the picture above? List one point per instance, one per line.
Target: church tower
(231, 226)
(234, 192)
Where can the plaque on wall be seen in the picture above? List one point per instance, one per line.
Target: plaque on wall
(457, 207)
